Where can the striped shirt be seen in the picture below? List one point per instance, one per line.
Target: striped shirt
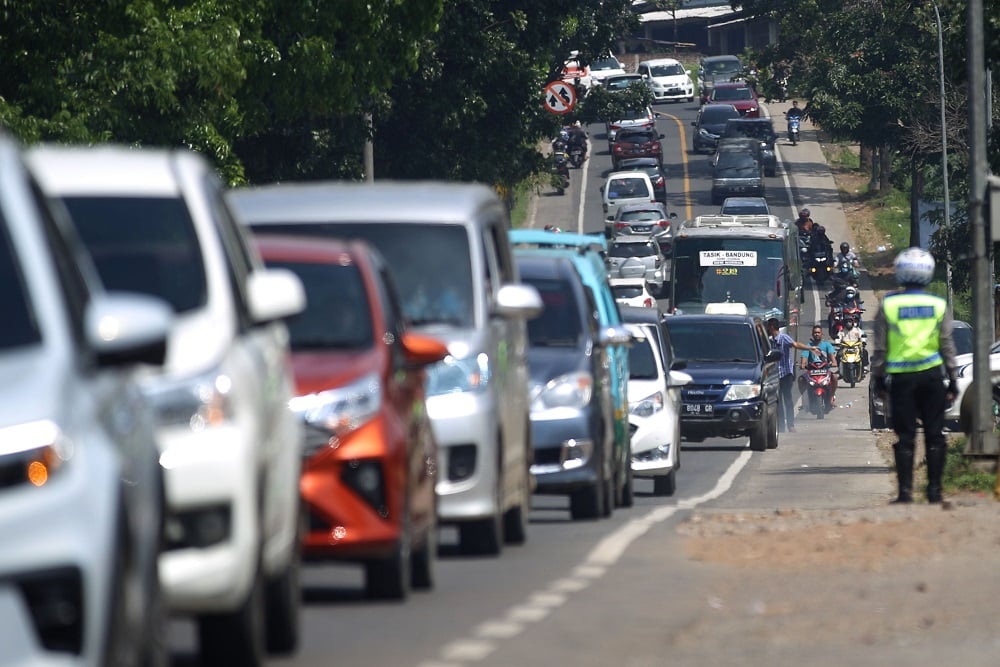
(786, 344)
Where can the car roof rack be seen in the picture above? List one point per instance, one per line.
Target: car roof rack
(735, 221)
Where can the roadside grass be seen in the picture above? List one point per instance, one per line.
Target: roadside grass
(962, 473)
(522, 201)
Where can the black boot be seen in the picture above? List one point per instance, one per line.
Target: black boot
(904, 473)
(935, 470)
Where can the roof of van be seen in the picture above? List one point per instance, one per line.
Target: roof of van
(386, 201)
(538, 238)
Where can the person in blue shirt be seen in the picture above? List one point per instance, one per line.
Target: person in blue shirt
(821, 349)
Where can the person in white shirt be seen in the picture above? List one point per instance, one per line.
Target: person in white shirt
(854, 334)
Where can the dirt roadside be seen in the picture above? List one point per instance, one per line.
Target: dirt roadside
(889, 584)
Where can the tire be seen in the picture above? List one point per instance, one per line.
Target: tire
(758, 437)
(628, 488)
(485, 536)
(423, 559)
(390, 578)
(588, 503)
(237, 637)
(665, 485)
(283, 601)
(772, 432)
(515, 520)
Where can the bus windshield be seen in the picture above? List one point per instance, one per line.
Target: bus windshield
(719, 270)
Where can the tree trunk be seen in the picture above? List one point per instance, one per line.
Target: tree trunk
(916, 197)
(873, 182)
(866, 155)
(885, 167)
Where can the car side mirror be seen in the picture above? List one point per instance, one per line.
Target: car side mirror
(773, 356)
(663, 136)
(679, 379)
(694, 123)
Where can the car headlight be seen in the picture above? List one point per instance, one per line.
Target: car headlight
(742, 392)
(452, 376)
(341, 410)
(200, 402)
(32, 453)
(647, 406)
(572, 390)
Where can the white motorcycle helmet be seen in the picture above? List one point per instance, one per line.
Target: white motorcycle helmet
(914, 266)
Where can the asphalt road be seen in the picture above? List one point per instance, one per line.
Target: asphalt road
(615, 591)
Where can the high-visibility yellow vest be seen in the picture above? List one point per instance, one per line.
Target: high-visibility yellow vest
(913, 340)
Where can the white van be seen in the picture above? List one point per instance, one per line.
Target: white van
(621, 188)
(667, 79)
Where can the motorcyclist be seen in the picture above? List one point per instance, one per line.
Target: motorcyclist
(577, 137)
(820, 241)
(826, 351)
(561, 143)
(795, 111)
(846, 263)
(804, 222)
(853, 334)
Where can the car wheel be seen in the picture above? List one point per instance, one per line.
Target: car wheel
(389, 578)
(515, 520)
(423, 558)
(484, 537)
(758, 436)
(628, 489)
(236, 638)
(772, 431)
(771, 172)
(665, 485)
(123, 644)
(587, 503)
(283, 596)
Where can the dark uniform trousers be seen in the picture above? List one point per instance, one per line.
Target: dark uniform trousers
(912, 396)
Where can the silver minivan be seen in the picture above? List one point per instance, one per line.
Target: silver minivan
(446, 245)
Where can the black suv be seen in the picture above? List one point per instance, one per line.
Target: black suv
(761, 129)
(734, 392)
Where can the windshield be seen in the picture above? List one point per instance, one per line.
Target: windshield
(711, 341)
(19, 324)
(666, 70)
(431, 264)
(337, 315)
(642, 363)
(715, 270)
(143, 244)
(559, 325)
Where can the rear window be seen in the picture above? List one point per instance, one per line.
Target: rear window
(626, 291)
(627, 188)
(143, 244)
(726, 94)
(636, 137)
(715, 113)
(641, 216)
(627, 250)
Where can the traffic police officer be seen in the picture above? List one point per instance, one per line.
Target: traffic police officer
(912, 356)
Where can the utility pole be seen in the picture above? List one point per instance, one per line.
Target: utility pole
(982, 441)
(944, 156)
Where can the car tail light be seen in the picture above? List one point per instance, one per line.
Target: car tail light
(647, 302)
(659, 182)
(663, 224)
(667, 249)
(621, 225)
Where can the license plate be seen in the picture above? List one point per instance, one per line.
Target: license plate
(641, 228)
(697, 408)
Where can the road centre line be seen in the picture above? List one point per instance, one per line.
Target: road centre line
(688, 211)
(608, 551)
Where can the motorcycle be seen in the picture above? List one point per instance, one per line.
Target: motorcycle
(576, 156)
(819, 386)
(851, 368)
(560, 171)
(835, 320)
(793, 129)
(820, 263)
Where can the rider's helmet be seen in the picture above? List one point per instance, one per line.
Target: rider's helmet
(850, 293)
(577, 124)
(914, 266)
(845, 247)
(564, 134)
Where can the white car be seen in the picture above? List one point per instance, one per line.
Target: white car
(654, 405)
(602, 68)
(155, 222)
(667, 79)
(963, 362)
(633, 119)
(621, 188)
(632, 292)
(81, 489)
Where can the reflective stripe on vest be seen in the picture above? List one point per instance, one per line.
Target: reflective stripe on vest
(913, 341)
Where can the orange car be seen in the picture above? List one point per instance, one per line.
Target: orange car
(368, 472)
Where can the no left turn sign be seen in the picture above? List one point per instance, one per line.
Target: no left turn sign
(560, 97)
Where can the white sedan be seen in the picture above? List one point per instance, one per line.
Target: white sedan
(654, 407)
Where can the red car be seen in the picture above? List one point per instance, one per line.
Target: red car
(738, 93)
(368, 471)
(637, 143)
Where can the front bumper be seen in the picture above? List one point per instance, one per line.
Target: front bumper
(731, 419)
(654, 451)
(211, 482)
(466, 428)
(566, 451)
(672, 92)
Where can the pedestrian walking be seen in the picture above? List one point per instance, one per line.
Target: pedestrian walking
(912, 355)
(786, 373)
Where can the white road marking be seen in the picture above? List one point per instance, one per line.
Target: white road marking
(540, 604)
